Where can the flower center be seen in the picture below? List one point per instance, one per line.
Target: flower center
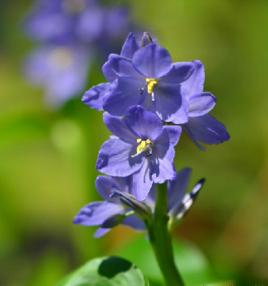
(143, 146)
(61, 58)
(74, 6)
(151, 83)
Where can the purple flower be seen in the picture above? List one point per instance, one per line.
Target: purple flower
(104, 27)
(133, 43)
(146, 76)
(61, 70)
(149, 79)
(96, 96)
(144, 90)
(201, 127)
(140, 146)
(88, 26)
(54, 20)
(121, 207)
(112, 211)
(82, 21)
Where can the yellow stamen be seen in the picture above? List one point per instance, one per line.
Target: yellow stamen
(151, 83)
(143, 145)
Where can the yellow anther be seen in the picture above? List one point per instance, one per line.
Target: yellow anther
(151, 83)
(143, 145)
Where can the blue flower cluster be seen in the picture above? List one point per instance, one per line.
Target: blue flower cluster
(70, 33)
(147, 102)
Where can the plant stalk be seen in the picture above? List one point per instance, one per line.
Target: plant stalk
(161, 241)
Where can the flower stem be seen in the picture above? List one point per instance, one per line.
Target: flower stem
(161, 241)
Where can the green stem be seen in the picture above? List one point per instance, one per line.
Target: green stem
(161, 241)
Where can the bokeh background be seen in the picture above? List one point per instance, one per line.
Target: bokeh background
(47, 156)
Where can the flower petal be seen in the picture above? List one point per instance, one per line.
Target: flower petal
(130, 46)
(89, 24)
(116, 21)
(97, 95)
(180, 72)
(96, 213)
(134, 222)
(206, 129)
(61, 70)
(169, 105)
(174, 133)
(166, 167)
(47, 24)
(181, 115)
(145, 39)
(201, 104)
(107, 185)
(114, 220)
(141, 182)
(187, 201)
(130, 201)
(145, 124)
(118, 127)
(161, 144)
(177, 188)
(195, 83)
(108, 70)
(101, 231)
(115, 159)
(152, 61)
(117, 66)
(127, 93)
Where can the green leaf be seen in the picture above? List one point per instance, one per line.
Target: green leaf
(191, 263)
(106, 271)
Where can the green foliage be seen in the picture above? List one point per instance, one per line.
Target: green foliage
(106, 271)
(48, 270)
(192, 264)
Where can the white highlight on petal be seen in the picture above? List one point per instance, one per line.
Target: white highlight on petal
(189, 199)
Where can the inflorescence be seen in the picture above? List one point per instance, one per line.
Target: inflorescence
(148, 101)
(70, 34)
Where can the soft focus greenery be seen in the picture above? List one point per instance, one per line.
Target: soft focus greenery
(47, 165)
(193, 266)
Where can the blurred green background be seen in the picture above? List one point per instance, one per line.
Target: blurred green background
(47, 157)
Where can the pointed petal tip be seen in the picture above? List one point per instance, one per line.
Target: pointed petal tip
(98, 179)
(223, 137)
(197, 63)
(100, 232)
(77, 220)
(131, 35)
(105, 116)
(197, 187)
(202, 181)
(184, 172)
(187, 169)
(101, 161)
(87, 94)
(146, 39)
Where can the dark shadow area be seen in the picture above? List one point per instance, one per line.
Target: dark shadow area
(112, 266)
